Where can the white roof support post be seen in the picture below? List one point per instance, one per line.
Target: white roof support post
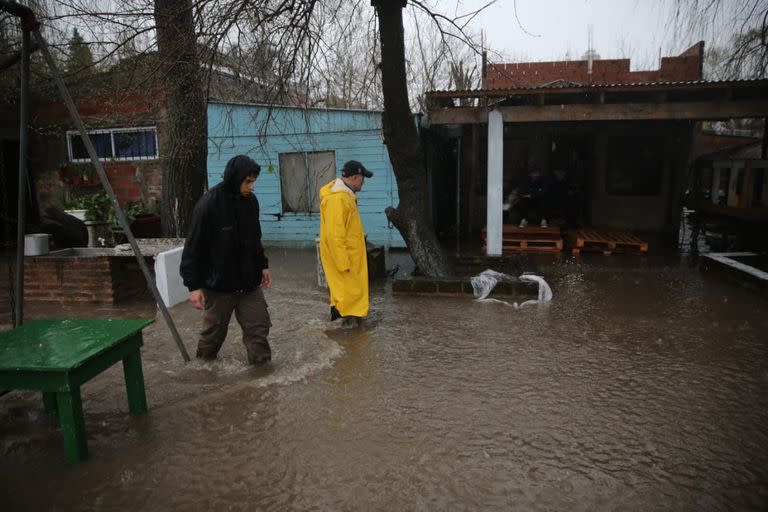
(494, 197)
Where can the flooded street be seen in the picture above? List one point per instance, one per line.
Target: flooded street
(642, 386)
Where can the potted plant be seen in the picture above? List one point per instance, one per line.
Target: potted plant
(137, 211)
(84, 171)
(98, 210)
(145, 223)
(75, 208)
(77, 174)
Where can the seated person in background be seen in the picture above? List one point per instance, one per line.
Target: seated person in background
(560, 200)
(531, 204)
(557, 195)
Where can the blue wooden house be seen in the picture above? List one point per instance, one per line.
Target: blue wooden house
(300, 150)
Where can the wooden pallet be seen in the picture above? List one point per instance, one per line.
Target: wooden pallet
(530, 239)
(605, 241)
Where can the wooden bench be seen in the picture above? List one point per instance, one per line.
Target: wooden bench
(528, 239)
(57, 356)
(606, 241)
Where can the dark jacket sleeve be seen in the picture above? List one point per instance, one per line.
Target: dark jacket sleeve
(261, 257)
(194, 258)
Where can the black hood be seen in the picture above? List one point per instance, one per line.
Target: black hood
(239, 168)
(223, 250)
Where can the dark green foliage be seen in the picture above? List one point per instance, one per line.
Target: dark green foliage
(97, 206)
(80, 57)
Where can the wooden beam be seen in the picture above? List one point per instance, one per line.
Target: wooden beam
(764, 151)
(759, 214)
(746, 189)
(681, 155)
(459, 115)
(601, 97)
(704, 110)
(473, 177)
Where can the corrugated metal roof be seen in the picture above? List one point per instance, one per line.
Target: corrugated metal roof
(549, 86)
(560, 84)
(686, 82)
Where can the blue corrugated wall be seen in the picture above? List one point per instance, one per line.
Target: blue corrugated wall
(263, 132)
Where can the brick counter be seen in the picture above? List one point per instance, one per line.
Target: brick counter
(106, 279)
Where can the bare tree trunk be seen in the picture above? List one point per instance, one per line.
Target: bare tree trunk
(411, 217)
(186, 142)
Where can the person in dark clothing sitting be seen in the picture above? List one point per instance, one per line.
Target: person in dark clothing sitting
(531, 199)
(224, 266)
(560, 201)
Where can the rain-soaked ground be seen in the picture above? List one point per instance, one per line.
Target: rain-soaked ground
(642, 386)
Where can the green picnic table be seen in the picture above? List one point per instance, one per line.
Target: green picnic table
(58, 355)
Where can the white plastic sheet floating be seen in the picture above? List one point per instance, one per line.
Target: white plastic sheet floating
(484, 283)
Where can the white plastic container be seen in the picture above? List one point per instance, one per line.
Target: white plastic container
(78, 214)
(37, 244)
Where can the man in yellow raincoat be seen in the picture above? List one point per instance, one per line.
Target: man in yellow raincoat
(342, 243)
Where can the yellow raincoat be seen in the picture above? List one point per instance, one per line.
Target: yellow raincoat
(342, 249)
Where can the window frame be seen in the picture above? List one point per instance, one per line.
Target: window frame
(112, 132)
(305, 154)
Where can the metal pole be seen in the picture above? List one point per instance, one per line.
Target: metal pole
(108, 189)
(22, 203)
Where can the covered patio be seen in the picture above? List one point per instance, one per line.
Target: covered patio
(627, 149)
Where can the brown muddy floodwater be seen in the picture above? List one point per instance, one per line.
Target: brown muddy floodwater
(642, 386)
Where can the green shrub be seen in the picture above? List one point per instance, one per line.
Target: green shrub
(97, 207)
(136, 209)
(75, 204)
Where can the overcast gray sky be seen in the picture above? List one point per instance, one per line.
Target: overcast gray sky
(547, 29)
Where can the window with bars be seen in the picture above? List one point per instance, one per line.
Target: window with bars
(115, 144)
(302, 175)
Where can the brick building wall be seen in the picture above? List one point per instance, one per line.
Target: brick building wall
(106, 280)
(132, 180)
(684, 67)
(135, 181)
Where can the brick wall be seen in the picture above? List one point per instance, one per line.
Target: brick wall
(134, 180)
(126, 180)
(128, 281)
(106, 280)
(113, 106)
(684, 67)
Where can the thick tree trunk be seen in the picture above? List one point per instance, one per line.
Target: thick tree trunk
(186, 135)
(411, 217)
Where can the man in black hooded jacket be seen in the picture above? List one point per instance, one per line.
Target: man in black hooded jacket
(224, 266)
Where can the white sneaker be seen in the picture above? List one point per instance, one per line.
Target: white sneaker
(544, 223)
(524, 223)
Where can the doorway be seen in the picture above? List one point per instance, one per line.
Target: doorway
(575, 155)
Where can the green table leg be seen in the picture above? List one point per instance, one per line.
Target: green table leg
(72, 425)
(49, 402)
(134, 383)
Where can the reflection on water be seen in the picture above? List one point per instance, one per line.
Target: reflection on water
(642, 386)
